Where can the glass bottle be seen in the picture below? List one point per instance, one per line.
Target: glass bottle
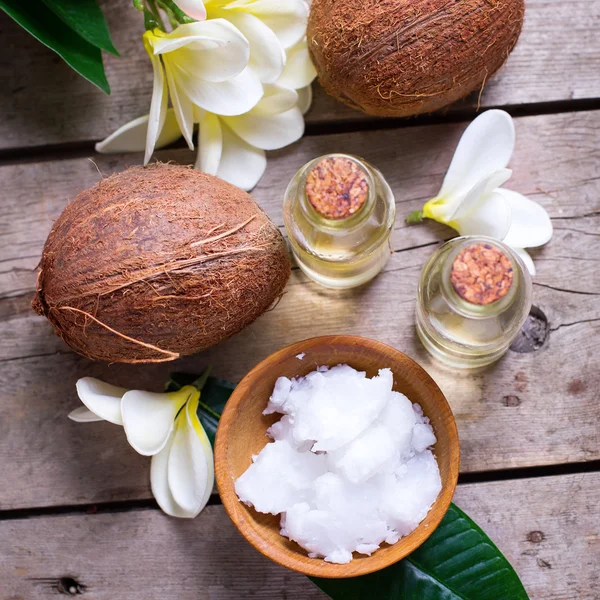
(339, 212)
(474, 295)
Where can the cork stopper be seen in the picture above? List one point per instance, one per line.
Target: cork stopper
(336, 187)
(481, 274)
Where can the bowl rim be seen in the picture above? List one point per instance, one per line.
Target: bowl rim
(302, 563)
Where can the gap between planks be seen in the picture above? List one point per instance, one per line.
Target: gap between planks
(549, 65)
(558, 470)
(85, 149)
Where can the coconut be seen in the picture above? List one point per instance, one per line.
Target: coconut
(404, 57)
(157, 262)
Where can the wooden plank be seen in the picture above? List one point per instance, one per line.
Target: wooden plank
(547, 528)
(529, 409)
(555, 163)
(556, 59)
(541, 525)
(141, 554)
(539, 397)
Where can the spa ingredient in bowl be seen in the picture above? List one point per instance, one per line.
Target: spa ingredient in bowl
(350, 466)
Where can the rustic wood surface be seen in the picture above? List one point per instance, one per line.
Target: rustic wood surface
(534, 414)
(556, 60)
(545, 526)
(555, 163)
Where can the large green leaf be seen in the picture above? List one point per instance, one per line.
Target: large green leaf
(457, 562)
(86, 18)
(214, 395)
(43, 24)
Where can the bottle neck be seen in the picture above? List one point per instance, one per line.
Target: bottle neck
(352, 222)
(469, 309)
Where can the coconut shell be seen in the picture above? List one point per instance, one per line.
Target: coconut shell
(398, 58)
(158, 262)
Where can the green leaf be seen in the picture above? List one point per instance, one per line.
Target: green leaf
(179, 380)
(457, 562)
(44, 25)
(216, 392)
(85, 18)
(214, 395)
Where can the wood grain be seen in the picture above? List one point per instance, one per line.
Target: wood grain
(547, 527)
(242, 434)
(539, 408)
(555, 163)
(531, 409)
(541, 405)
(557, 59)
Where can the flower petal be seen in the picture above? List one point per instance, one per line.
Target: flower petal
(192, 8)
(148, 418)
(299, 70)
(480, 191)
(305, 97)
(267, 55)
(490, 217)
(235, 96)
(131, 137)
(159, 481)
(485, 146)
(287, 19)
(84, 415)
(268, 132)
(201, 35)
(276, 99)
(524, 256)
(160, 99)
(241, 164)
(103, 399)
(530, 224)
(191, 472)
(183, 107)
(210, 144)
(217, 52)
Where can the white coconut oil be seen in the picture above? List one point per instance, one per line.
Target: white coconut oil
(351, 465)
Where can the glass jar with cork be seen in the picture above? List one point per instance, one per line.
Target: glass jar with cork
(339, 212)
(474, 296)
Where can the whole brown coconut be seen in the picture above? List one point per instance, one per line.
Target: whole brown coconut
(157, 262)
(398, 58)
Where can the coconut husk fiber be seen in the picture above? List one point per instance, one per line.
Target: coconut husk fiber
(398, 58)
(158, 262)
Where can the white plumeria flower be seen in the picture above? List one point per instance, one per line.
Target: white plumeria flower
(471, 199)
(206, 66)
(192, 8)
(232, 142)
(164, 426)
(233, 148)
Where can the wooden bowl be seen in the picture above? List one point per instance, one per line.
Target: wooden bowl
(242, 433)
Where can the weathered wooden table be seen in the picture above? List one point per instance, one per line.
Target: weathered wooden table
(76, 512)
